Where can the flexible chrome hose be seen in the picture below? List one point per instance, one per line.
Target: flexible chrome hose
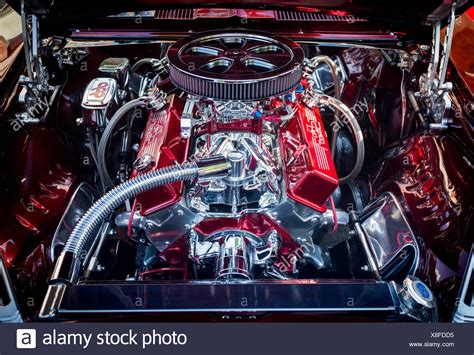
(83, 233)
(115, 197)
(104, 140)
(351, 120)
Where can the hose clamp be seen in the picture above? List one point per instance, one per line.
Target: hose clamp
(155, 99)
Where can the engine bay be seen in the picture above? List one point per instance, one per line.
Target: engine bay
(237, 157)
(253, 100)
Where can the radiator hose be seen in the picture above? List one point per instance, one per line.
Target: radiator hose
(67, 267)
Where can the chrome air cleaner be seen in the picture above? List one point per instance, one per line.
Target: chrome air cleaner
(235, 65)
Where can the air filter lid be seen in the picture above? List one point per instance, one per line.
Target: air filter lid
(235, 65)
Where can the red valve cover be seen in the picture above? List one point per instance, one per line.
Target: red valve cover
(308, 167)
(162, 141)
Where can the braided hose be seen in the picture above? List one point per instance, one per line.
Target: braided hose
(155, 99)
(102, 166)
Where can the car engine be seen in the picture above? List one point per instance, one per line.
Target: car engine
(251, 100)
(234, 158)
(243, 104)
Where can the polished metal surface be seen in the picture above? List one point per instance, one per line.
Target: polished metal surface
(297, 219)
(164, 227)
(417, 300)
(9, 309)
(213, 167)
(117, 68)
(366, 247)
(464, 311)
(81, 200)
(100, 100)
(237, 163)
(235, 65)
(370, 299)
(320, 76)
(235, 258)
(388, 233)
(236, 254)
(253, 181)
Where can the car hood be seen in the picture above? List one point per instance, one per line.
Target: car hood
(416, 14)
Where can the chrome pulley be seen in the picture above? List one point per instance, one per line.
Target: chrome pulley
(235, 65)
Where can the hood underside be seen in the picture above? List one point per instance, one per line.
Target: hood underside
(413, 13)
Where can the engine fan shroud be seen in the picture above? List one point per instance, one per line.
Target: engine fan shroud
(235, 65)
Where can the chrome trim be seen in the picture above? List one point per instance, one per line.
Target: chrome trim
(464, 313)
(392, 290)
(368, 251)
(246, 73)
(416, 300)
(370, 211)
(10, 312)
(240, 310)
(84, 195)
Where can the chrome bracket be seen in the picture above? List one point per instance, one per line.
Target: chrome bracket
(433, 88)
(37, 95)
(155, 99)
(187, 118)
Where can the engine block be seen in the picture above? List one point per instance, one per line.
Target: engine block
(281, 176)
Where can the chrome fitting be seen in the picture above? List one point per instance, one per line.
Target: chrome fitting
(213, 167)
